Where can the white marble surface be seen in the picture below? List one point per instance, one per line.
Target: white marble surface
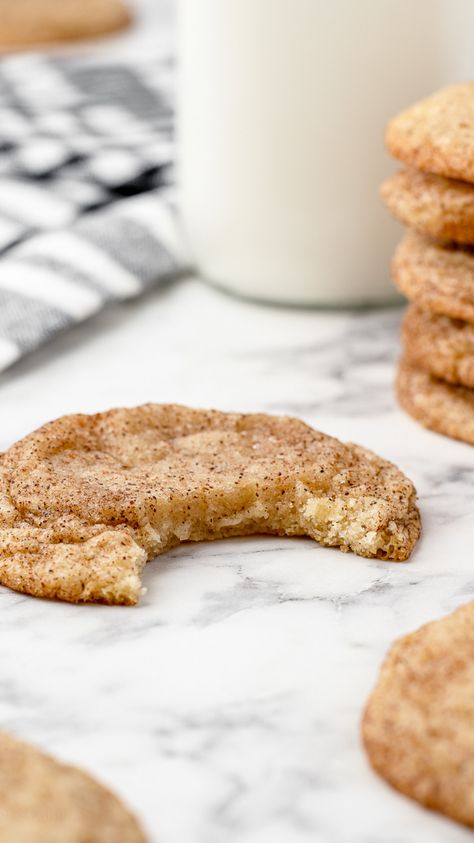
(226, 706)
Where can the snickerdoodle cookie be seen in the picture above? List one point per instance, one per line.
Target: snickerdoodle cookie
(437, 277)
(43, 801)
(26, 23)
(438, 405)
(86, 500)
(436, 135)
(435, 206)
(439, 345)
(418, 727)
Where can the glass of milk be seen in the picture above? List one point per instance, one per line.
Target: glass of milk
(282, 106)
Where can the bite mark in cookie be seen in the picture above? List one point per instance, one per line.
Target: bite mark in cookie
(86, 500)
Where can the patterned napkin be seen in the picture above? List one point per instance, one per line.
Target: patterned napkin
(86, 200)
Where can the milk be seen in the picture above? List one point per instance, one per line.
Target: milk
(282, 106)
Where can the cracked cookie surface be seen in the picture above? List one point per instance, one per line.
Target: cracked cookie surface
(436, 135)
(86, 500)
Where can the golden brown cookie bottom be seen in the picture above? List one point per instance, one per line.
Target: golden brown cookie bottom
(418, 725)
(439, 406)
(25, 23)
(439, 345)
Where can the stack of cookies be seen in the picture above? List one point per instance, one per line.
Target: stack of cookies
(434, 264)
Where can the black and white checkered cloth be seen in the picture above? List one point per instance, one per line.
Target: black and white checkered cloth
(86, 207)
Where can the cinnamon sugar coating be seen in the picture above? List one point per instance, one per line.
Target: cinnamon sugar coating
(86, 500)
(439, 406)
(436, 135)
(43, 801)
(432, 205)
(437, 277)
(439, 345)
(417, 727)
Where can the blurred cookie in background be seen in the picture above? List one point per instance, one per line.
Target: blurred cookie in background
(28, 23)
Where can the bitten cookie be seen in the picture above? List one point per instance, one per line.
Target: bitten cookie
(436, 135)
(86, 500)
(437, 277)
(440, 406)
(24, 23)
(43, 801)
(418, 727)
(439, 345)
(432, 205)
